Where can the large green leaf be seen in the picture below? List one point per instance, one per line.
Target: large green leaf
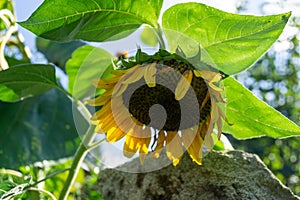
(252, 117)
(57, 52)
(229, 42)
(26, 80)
(38, 128)
(96, 20)
(87, 63)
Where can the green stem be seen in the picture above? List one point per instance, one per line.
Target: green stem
(80, 154)
(49, 176)
(161, 41)
(95, 144)
(77, 161)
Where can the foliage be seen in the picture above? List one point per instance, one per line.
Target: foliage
(275, 79)
(219, 33)
(44, 123)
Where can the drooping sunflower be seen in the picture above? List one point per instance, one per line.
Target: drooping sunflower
(159, 101)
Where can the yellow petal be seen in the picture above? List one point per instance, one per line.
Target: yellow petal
(207, 97)
(134, 76)
(208, 75)
(183, 85)
(214, 111)
(160, 144)
(150, 74)
(174, 147)
(119, 72)
(98, 130)
(126, 125)
(129, 148)
(193, 144)
(208, 141)
(103, 84)
(145, 145)
(98, 101)
(197, 73)
(114, 134)
(105, 110)
(108, 124)
(135, 143)
(112, 80)
(203, 127)
(119, 89)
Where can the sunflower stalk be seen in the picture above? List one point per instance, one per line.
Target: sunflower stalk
(76, 164)
(161, 40)
(85, 145)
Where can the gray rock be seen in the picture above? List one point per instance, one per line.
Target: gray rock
(223, 175)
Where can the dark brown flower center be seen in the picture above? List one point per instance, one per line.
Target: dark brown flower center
(157, 106)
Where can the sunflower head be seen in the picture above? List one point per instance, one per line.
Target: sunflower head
(159, 101)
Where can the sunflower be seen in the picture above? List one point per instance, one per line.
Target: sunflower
(159, 101)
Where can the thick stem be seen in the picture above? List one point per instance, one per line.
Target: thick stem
(77, 161)
(161, 40)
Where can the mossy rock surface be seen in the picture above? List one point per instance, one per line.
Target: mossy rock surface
(223, 175)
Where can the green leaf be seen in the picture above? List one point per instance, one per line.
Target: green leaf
(38, 128)
(7, 94)
(57, 52)
(26, 80)
(229, 42)
(252, 117)
(96, 20)
(149, 37)
(13, 61)
(87, 63)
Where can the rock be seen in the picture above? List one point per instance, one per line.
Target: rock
(223, 175)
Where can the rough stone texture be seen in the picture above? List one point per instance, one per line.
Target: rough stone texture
(223, 175)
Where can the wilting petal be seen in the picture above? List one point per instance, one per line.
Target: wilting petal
(105, 110)
(145, 141)
(114, 134)
(173, 147)
(183, 85)
(207, 97)
(139, 142)
(99, 101)
(214, 111)
(130, 147)
(133, 77)
(112, 80)
(119, 72)
(119, 89)
(160, 144)
(209, 75)
(208, 141)
(103, 84)
(204, 128)
(150, 74)
(193, 144)
(196, 73)
(108, 123)
(98, 129)
(126, 125)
